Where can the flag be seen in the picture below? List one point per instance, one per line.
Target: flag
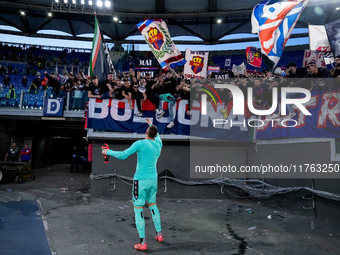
(157, 36)
(227, 62)
(62, 79)
(274, 21)
(318, 41)
(333, 33)
(196, 64)
(100, 62)
(213, 69)
(239, 69)
(254, 56)
(313, 56)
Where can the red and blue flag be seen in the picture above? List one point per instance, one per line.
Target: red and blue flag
(157, 36)
(274, 21)
(254, 56)
(197, 64)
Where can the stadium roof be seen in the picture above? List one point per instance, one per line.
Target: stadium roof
(208, 20)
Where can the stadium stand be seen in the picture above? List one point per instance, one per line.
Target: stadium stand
(35, 101)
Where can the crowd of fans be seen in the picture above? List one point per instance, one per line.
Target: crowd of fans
(36, 58)
(312, 78)
(21, 53)
(172, 85)
(169, 86)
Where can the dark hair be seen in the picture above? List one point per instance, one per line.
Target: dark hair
(152, 131)
(311, 63)
(291, 64)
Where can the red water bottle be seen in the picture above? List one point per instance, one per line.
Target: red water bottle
(106, 158)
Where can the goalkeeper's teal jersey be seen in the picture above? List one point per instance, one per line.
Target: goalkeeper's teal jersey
(148, 152)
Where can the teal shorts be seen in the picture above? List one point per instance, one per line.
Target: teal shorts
(144, 191)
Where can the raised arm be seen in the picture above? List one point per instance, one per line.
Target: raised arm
(157, 137)
(122, 154)
(174, 74)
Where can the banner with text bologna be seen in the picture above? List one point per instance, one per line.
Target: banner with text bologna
(116, 115)
(324, 121)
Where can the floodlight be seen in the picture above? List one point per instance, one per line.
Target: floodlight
(90, 2)
(107, 4)
(115, 19)
(99, 3)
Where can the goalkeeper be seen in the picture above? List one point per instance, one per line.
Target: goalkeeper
(144, 188)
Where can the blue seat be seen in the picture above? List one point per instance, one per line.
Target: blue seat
(40, 103)
(31, 103)
(24, 102)
(12, 103)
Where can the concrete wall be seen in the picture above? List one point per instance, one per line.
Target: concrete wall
(300, 153)
(176, 157)
(5, 141)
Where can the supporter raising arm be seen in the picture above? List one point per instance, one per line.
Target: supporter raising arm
(139, 96)
(184, 93)
(53, 84)
(107, 87)
(94, 89)
(152, 93)
(170, 94)
(126, 92)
